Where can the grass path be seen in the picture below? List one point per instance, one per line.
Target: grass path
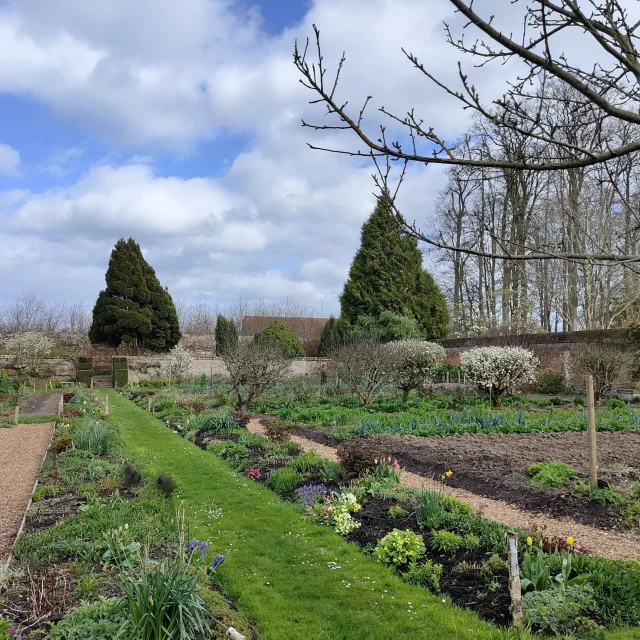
(294, 578)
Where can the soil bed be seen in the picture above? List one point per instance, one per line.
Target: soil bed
(495, 466)
(41, 404)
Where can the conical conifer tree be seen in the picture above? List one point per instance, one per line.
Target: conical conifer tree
(387, 275)
(226, 336)
(133, 308)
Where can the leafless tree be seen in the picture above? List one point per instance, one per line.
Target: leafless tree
(254, 369)
(367, 367)
(78, 318)
(603, 95)
(606, 362)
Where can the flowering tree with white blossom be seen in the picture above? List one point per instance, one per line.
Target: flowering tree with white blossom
(180, 363)
(414, 363)
(499, 369)
(29, 349)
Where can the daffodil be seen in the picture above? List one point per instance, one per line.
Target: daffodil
(529, 541)
(448, 473)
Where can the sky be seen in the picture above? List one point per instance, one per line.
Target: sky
(179, 124)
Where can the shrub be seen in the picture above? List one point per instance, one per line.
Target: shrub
(495, 565)
(426, 575)
(285, 480)
(359, 455)
(498, 369)
(446, 541)
(606, 362)
(550, 383)
(7, 384)
(62, 443)
(307, 462)
(94, 436)
(166, 484)
(470, 541)
(131, 476)
(164, 602)
(559, 612)
(99, 621)
(414, 362)
(615, 403)
(400, 547)
(29, 349)
(551, 474)
(396, 511)
(278, 431)
(387, 327)
(214, 423)
(278, 336)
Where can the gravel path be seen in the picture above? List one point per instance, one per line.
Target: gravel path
(21, 451)
(591, 540)
(41, 404)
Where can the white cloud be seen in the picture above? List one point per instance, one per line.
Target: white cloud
(9, 161)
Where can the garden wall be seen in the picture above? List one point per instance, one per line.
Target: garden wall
(55, 368)
(554, 350)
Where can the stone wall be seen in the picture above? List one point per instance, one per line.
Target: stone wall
(54, 368)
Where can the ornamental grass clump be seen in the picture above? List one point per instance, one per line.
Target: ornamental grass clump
(285, 480)
(400, 548)
(499, 370)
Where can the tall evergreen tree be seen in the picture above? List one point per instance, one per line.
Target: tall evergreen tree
(335, 333)
(134, 308)
(387, 275)
(226, 336)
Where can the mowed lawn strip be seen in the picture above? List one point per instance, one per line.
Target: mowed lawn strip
(296, 579)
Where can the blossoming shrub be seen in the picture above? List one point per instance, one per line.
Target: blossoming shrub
(499, 369)
(336, 511)
(400, 547)
(28, 350)
(414, 362)
(180, 363)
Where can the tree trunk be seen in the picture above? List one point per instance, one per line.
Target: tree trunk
(405, 395)
(494, 394)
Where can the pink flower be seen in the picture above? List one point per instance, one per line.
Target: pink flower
(254, 473)
(179, 428)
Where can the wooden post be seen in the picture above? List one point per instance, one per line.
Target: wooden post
(447, 376)
(15, 420)
(591, 431)
(149, 405)
(514, 580)
(92, 382)
(60, 406)
(458, 376)
(106, 405)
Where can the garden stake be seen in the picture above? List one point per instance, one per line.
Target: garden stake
(149, 405)
(514, 581)
(593, 454)
(15, 421)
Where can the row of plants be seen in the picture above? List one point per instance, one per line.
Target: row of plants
(433, 540)
(105, 551)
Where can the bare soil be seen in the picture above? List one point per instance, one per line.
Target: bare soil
(22, 449)
(41, 404)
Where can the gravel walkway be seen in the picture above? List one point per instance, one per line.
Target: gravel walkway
(591, 540)
(22, 449)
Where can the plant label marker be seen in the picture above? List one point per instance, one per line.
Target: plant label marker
(514, 581)
(591, 430)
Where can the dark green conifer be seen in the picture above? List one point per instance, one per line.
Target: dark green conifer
(226, 336)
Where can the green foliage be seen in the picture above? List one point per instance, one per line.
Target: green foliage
(119, 549)
(551, 383)
(446, 541)
(307, 462)
(396, 511)
(285, 480)
(615, 403)
(426, 574)
(387, 327)
(134, 308)
(330, 472)
(164, 602)
(7, 384)
(44, 491)
(280, 337)
(61, 443)
(131, 476)
(400, 547)
(96, 621)
(226, 336)
(495, 565)
(470, 541)
(335, 333)
(551, 474)
(607, 497)
(387, 275)
(166, 484)
(236, 454)
(95, 436)
(561, 613)
(214, 423)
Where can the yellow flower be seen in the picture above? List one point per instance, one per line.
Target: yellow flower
(441, 477)
(570, 541)
(529, 541)
(151, 601)
(448, 473)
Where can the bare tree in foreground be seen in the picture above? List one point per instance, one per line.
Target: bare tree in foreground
(603, 96)
(254, 369)
(606, 362)
(366, 367)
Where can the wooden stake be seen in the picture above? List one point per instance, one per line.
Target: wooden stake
(15, 420)
(591, 431)
(60, 406)
(149, 405)
(514, 580)
(106, 405)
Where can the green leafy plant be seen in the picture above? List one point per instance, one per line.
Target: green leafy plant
(446, 541)
(99, 620)
(470, 541)
(400, 547)
(550, 382)
(426, 574)
(607, 497)
(62, 443)
(163, 602)
(119, 549)
(131, 476)
(285, 480)
(214, 423)
(278, 336)
(330, 472)
(396, 511)
(236, 454)
(45, 491)
(94, 436)
(561, 613)
(551, 474)
(307, 462)
(495, 565)
(166, 484)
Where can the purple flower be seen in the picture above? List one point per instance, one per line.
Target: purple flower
(12, 630)
(202, 548)
(310, 493)
(217, 561)
(193, 544)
